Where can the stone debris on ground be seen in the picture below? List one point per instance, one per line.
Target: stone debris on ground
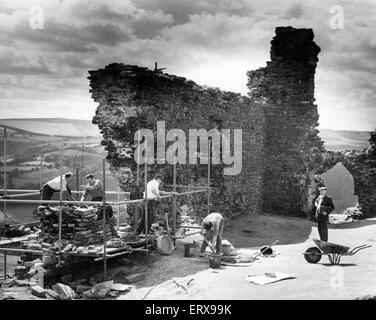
(99, 291)
(82, 288)
(337, 218)
(81, 226)
(120, 287)
(38, 291)
(82, 232)
(64, 292)
(52, 294)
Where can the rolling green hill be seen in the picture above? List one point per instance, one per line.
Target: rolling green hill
(25, 146)
(51, 126)
(345, 139)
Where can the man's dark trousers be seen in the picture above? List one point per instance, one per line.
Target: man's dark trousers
(47, 192)
(322, 226)
(152, 204)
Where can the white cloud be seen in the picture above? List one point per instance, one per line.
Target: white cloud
(210, 42)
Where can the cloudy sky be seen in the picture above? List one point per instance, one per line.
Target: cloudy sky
(43, 66)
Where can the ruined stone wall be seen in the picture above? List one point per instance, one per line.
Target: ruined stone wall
(285, 88)
(360, 164)
(131, 97)
(281, 148)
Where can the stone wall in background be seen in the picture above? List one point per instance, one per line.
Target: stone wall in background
(361, 165)
(132, 97)
(282, 151)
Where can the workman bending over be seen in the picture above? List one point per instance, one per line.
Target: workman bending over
(93, 189)
(212, 231)
(52, 186)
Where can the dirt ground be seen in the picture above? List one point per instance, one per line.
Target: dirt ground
(176, 277)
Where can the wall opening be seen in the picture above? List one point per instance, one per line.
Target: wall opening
(340, 185)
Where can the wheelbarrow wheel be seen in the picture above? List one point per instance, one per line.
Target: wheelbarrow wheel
(313, 255)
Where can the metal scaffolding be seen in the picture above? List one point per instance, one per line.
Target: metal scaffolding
(22, 193)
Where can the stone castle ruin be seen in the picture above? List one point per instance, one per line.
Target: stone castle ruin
(281, 148)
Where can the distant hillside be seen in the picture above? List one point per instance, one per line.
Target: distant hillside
(52, 126)
(344, 139)
(334, 139)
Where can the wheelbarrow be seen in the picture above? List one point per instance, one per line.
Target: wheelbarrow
(334, 251)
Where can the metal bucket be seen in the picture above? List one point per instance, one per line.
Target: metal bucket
(189, 250)
(215, 261)
(266, 251)
(164, 245)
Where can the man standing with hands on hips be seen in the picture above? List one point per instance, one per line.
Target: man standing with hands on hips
(324, 206)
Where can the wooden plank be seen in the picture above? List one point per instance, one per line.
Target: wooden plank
(21, 251)
(13, 240)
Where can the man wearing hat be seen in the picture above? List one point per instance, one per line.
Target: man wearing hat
(52, 186)
(93, 189)
(324, 206)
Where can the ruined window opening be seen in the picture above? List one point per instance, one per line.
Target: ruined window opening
(340, 184)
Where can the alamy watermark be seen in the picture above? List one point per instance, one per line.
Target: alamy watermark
(36, 20)
(219, 142)
(337, 279)
(337, 20)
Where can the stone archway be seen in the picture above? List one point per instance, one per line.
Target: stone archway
(340, 183)
(360, 164)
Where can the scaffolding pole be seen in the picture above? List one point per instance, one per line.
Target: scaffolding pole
(5, 174)
(174, 203)
(82, 163)
(77, 184)
(41, 172)
(73, 191)
(146, 199)
(138, 208)
(118, 200)
(95, 202)
(104, 223)
(61, 195)
(208, 177)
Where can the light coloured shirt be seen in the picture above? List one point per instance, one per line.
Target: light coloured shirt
(55, 183)
(318, 203)
(93, 190)
(152, 189)
(215, 218)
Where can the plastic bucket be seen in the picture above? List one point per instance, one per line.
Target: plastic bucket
(189, 250)
(214, 261)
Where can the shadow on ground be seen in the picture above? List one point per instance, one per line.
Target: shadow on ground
(264, 229)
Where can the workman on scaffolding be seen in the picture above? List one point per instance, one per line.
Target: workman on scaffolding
(153, 195)
(53, 186)
(93, 189)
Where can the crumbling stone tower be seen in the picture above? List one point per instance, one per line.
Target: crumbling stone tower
(285, 90)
